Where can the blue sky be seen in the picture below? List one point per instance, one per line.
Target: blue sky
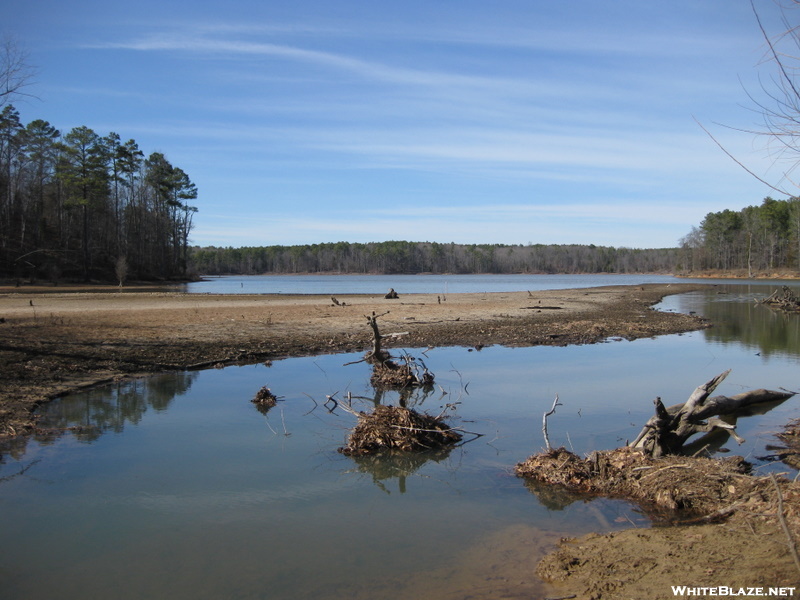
(516, 121)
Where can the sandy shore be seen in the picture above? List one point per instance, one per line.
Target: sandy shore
(56, 340)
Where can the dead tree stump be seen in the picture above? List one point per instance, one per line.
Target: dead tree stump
(670, 428)
(386, 373)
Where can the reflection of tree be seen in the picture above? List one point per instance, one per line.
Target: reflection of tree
(89, 414)
(389, 465)
(713, 442)
(753, 325)
(407, 397)
(553, 497)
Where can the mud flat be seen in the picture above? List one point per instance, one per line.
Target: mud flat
(55, 342)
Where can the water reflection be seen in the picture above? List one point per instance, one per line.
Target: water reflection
(385, 467)
(108, 409)
(189, 495)
(738, 319)
(553, 497)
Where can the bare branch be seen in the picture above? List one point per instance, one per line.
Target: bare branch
(544, 421)
(15, 71)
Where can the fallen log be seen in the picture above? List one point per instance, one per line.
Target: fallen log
(784, 300)
(670, 428)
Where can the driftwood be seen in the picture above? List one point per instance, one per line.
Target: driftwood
(544, 422)
(784, 299)
(388, 374)
(377, 354)
(670, 428)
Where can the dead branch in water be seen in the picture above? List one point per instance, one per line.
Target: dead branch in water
(785, 300)
(388, 374)
(544, 422)
(670, 428)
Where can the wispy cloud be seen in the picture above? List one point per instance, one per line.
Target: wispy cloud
(361, 67)
(539, 121)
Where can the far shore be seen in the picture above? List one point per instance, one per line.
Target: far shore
(23, 286)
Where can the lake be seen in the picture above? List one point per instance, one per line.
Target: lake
(423, 284)
(177, 487)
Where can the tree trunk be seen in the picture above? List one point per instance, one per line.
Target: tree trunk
(670, 428)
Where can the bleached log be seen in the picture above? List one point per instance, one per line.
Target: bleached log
(670, 428)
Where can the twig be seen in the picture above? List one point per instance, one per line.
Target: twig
(315, 405)
(665, 469)
(544, 422)
(283, 422)
(355, 362)
(21, 471)
(782, 519)
(448, 430)
(331, 398)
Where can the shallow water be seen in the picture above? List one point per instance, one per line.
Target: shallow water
(180, 488)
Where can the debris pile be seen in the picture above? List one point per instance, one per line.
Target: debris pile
(784, 300)
(689, 487)
(398, 428)
(264, 399)
(388, 374)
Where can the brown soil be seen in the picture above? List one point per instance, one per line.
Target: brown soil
(751, 544)
(790, 452)
(54, 341)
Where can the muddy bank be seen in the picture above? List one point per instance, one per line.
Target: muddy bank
(55, 342)
(715, 524)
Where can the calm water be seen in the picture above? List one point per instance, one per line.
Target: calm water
(180, 488)
(415, 284)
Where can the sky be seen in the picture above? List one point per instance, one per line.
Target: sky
(513, 122)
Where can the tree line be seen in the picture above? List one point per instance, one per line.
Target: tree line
(430, 257)
(85, 206)
(755, 239)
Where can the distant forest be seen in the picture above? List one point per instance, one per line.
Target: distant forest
(83, 206)
(756, 239)
(431, 257)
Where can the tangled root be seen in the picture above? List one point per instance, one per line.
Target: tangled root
(388, 374)
(693, 486)
(265, 399)
(398, 428)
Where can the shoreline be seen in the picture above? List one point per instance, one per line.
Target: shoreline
(57, 342)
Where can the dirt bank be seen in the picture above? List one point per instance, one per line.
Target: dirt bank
(54, 342)
(727, 527)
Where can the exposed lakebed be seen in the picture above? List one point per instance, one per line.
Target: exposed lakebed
(176, 486)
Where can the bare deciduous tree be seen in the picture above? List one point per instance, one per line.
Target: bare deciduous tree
(778, 102)
(16, 73)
